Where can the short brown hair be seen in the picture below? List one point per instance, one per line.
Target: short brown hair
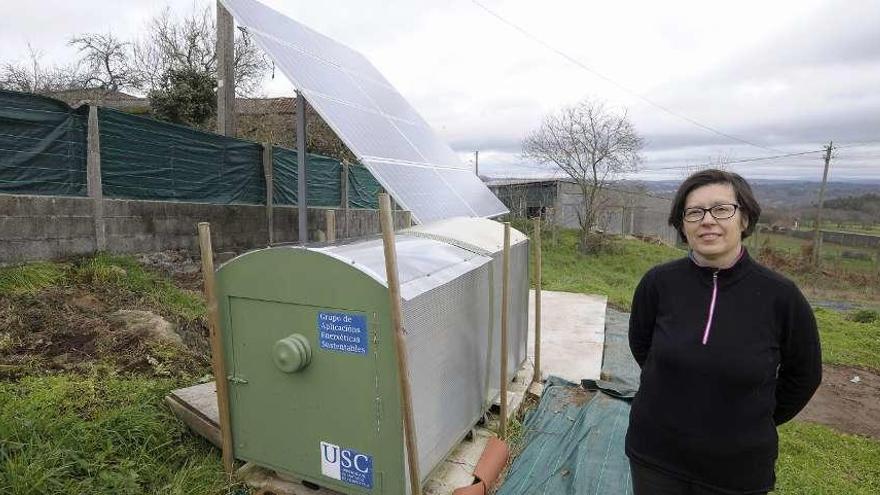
(748, 205)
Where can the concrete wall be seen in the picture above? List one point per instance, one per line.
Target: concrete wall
(842, 238)
(48, 227)
(624, 212)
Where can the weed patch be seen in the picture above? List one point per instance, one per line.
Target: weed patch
(817, 459)
(99, 433)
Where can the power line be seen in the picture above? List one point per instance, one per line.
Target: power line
(620, 86)
(733, 162)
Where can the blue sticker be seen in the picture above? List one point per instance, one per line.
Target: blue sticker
(347, 465)
(343, 332)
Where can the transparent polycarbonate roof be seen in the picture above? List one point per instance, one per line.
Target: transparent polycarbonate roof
(423, 264)
(386, 133)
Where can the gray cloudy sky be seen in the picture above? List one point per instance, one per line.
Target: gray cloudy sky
(787, 75)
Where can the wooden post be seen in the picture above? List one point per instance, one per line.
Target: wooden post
(301, 179)
(225, 72)
(217, 364)
(270, 190)
(330, 216)
(536, 238)
(345, 199)
(407, 219)
(817, 230)
(93, 178)
(505, 296)
(409, 432)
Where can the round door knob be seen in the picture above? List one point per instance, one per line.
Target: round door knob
(292, 354)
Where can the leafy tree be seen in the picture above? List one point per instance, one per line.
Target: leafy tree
(185, 96)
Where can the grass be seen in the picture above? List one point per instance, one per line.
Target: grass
(614, 274)
(93, 428)
(818, 460)
(813, 459)
(105, 432)
(31, 278)
(848, 342)
(832, 254)
(120, 275)
(73, 434)
(126, 274)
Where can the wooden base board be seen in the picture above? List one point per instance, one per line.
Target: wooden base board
(197, 407)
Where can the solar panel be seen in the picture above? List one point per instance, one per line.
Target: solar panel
(380, 127)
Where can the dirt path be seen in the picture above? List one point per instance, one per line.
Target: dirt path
(844, 405)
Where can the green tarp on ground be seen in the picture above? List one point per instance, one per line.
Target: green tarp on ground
(143, 158)
(574, 440)
(42, 146)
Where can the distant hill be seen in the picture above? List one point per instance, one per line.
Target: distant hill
(785, 193)
(867, 203)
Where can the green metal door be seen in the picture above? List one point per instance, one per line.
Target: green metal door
(320, 422)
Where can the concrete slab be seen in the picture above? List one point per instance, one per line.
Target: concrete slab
(572, 334)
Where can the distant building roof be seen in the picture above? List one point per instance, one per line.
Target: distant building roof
(490, 182)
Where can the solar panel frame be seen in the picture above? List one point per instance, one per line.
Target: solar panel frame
(371, 117)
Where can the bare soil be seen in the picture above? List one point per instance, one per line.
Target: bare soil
(844, 405)
(70, 329)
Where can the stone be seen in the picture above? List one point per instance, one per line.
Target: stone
(146, 325)
(88, 302)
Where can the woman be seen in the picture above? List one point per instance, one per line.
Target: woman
(728, 349)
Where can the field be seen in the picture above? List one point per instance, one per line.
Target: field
(814, 459)
(81, 404)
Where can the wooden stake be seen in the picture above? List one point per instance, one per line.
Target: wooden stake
(217, 363)
(409, 432)
(505, 295)
(536, 238)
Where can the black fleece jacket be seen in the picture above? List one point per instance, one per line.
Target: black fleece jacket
(708, 412)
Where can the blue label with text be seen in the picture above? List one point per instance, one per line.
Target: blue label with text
(347, 465)
(343, 332)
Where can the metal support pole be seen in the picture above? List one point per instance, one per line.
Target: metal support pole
(409, 431)
(301, 179)
(345, 199)
(225, 72)
(93, 178)
(536, 238)
(270, 190)
(505, 295)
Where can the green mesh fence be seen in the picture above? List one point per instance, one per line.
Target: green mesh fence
(42, 146)
(363, 189)
(324, 179)
(143, 158)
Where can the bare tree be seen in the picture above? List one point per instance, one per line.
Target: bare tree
(31, 76)
(188, 45)
(591, 144)
(105, 59)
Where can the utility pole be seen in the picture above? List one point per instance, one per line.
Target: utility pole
(477, 163)
(817, 232)
(225, 74)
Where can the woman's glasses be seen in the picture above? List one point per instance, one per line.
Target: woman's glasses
(718, 212)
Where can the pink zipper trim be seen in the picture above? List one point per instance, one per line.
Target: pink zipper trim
(711, 307)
